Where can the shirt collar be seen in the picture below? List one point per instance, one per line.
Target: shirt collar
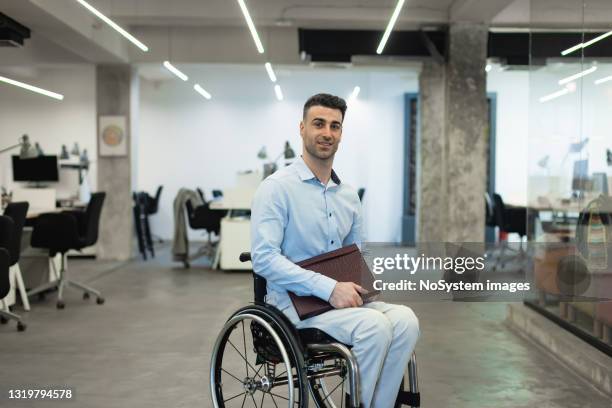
(306, 174)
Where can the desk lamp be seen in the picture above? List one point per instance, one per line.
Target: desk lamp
(271, 167)
(27, 151)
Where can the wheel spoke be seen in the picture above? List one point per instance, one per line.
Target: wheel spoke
(243, 400)
(342, 395)
(332, 391)
(273, 400)
(253, 398)
(263, 395)
(258, 370)
(245, 352)
(243, 357)
(235, 396)
(231, 375)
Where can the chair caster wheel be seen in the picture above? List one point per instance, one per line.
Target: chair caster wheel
(60, 305)
(85, 296)
(100, 300)
(21, 326)
(3, 320)
(186, 264)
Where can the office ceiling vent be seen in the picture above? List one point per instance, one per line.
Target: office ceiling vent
(12, 34)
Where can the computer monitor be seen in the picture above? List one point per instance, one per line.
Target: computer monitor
(580, 179)
(38, 169)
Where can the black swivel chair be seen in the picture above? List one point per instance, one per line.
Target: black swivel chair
(17, 212)
(509, 220)
(61, 232)
(6, 233)
(203, 217)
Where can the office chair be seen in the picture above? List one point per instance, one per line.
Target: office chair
(153, 202)
(141, 222)
(17, 212)
(6, 232)
(509, 220)
(203, 217)
(61, 232)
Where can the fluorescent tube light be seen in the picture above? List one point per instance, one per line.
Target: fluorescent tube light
(175, 71)
(279, 92)
(354, 94)
(602, 80)
(114, 25)
(586, 44)
(202, 91)
(488, 68)
(572, 49)
(270, 72)
(392, 21)
(578, 75)
(32, 88)
(554, 95)
(252, 29)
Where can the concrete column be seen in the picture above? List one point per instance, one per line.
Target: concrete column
(452, 173)
(113, 86)
(431, 173)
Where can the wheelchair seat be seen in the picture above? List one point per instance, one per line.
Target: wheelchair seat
(313, 335)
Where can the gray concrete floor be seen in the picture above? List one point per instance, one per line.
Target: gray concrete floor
(150, 345)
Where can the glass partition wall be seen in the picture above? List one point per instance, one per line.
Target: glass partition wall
(570, 165)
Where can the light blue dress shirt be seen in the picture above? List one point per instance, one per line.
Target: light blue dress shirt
(295, 217)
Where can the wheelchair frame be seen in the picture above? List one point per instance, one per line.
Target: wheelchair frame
(309, 357)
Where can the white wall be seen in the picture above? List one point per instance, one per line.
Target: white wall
(186, 141)
(50, 122)
(512, 132)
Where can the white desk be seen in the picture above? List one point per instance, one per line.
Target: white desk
(235, 231)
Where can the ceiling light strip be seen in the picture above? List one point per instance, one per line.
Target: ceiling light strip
(392, 21)
(252, 29)
(114, 25)
(279, 92)
(578, 75)
(270, 72)
(202, 91)
(602, 80)
(32, 88)
(554, 95)
(586, 44)
(175, 71)
(355, 93)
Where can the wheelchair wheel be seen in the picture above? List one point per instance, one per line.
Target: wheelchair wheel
(244, 373)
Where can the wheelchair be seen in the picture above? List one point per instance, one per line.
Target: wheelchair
(260, 359)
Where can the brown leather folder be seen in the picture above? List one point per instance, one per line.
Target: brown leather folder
(344, 265)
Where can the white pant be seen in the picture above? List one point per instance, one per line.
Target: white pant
(383, 337)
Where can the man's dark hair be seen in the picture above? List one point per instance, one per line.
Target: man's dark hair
(326, 100)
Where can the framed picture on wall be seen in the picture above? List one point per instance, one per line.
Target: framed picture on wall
(113, 136)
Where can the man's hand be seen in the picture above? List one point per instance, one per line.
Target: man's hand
(346, 294)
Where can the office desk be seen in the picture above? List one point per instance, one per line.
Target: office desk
(235, 230)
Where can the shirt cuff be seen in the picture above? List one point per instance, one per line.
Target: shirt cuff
(324, 287)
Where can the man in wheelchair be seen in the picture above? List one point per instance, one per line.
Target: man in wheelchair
(304, 210)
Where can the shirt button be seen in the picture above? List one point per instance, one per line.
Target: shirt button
(330, 214)
(332, 242)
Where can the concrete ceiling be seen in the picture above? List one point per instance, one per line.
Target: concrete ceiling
(202, 31)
